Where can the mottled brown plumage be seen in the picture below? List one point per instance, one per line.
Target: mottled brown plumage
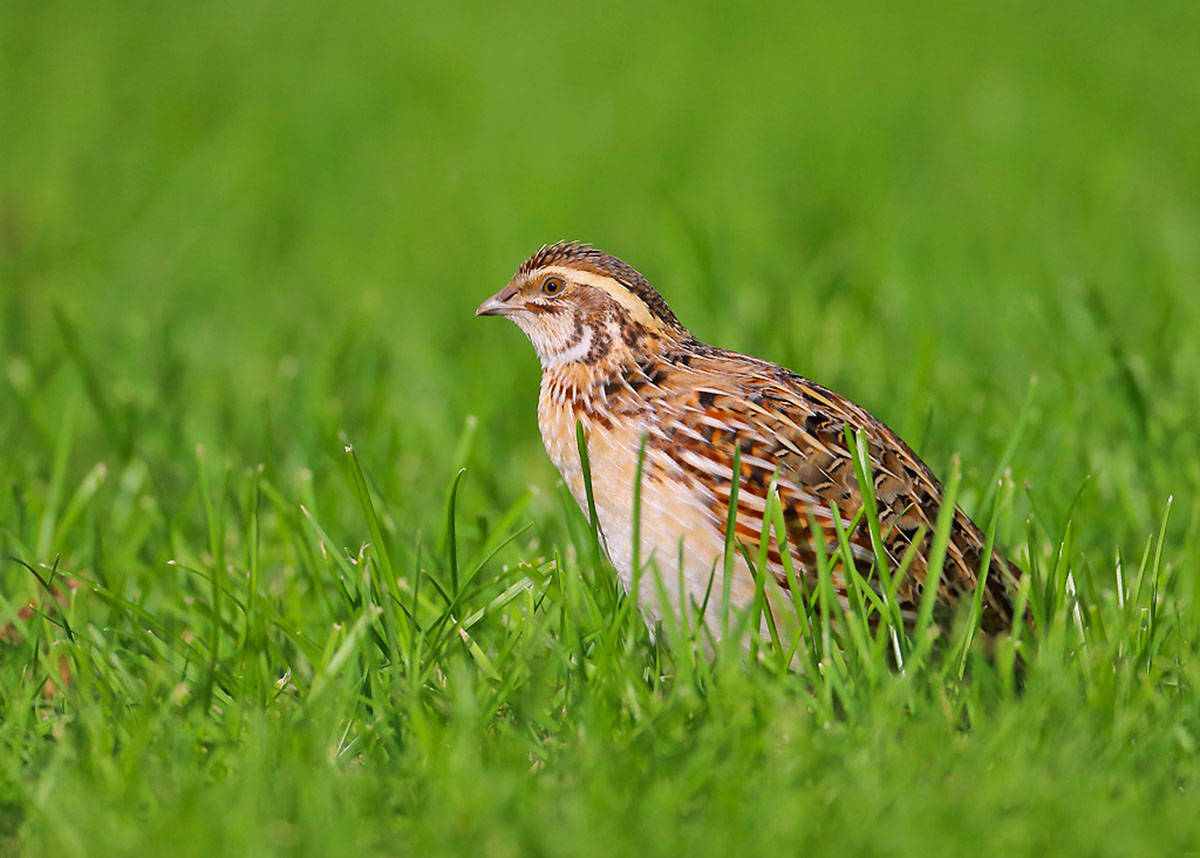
(616, 359)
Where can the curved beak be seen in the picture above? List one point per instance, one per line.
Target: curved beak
(498, 305)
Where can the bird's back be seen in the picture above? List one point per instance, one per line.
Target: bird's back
(696, 405)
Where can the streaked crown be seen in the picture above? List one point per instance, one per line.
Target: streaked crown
(578, 304)
(584, 258)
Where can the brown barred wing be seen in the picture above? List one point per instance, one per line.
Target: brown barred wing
(787, 427)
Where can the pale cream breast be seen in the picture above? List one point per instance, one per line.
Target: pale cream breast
(681, 546)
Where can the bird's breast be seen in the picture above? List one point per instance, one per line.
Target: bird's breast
(680, 537)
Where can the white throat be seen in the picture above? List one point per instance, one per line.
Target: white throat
(576, 352)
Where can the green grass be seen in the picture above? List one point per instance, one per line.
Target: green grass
(239, 239)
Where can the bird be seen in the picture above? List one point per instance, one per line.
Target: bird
(658, 407)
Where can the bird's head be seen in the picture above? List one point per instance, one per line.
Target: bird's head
(577, 304)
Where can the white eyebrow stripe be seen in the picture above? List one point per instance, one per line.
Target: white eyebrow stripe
(611, 287)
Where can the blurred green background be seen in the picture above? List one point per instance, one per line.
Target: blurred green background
(269, 222)
(255, 226)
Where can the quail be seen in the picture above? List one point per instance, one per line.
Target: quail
(656, 403)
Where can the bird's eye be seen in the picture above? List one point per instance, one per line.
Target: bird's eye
(552, 286)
